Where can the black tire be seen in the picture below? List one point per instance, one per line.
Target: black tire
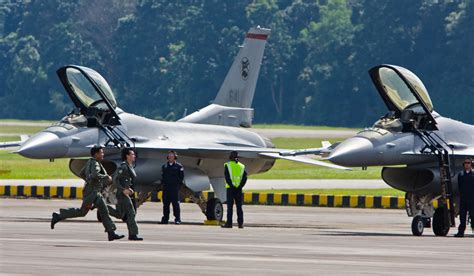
(214, 209)
(99, 219)
(417, 226)
(441, 223)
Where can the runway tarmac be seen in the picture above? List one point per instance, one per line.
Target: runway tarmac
(276, 240)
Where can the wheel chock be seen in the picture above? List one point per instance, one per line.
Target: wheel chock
(213, 222)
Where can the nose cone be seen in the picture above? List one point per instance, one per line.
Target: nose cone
(43, 145)
(354, 152)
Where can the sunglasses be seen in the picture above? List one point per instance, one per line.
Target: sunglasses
(467, 162)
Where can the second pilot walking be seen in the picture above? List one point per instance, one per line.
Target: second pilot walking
(124, 180)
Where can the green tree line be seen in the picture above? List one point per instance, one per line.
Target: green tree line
(163, 57)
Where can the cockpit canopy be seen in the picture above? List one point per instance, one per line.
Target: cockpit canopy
(91, 93)
(404, 94)
(398, 91)
(84, 89)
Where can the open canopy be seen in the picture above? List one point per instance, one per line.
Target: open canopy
(87, 88)
(91, 93)
(400, 88)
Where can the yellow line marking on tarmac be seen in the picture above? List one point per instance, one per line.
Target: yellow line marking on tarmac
(66, 192)
(308, 199)
(385, 201)
(401, 202)
(323, 200)
(277, 198)
(369, 201)
(262, 198)
(353, 201)
(27, 190)
(13, 190)
(39, 190)
(292, 199)
(337, 200)
(248, 197)
(53, 191)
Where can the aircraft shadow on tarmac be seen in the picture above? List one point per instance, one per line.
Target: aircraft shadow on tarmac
(248, 225)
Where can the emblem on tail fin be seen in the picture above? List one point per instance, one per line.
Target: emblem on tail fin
(245, 68)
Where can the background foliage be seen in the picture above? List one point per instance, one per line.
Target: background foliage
(162, 57)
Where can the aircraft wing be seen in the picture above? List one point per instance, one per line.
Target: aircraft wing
(220, 151)
(14, 143)
(207, 149)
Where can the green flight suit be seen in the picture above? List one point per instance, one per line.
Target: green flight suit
(123, 179)
(96, 177)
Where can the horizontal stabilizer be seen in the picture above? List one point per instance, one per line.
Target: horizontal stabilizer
(326, 148)
(305, 160)
(14, 143)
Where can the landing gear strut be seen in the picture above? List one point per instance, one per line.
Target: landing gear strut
(421, 209)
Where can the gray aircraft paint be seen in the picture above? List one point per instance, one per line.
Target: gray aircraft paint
(203, 139)
(393, 143)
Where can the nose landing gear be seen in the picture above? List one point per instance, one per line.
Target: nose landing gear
(419, 223)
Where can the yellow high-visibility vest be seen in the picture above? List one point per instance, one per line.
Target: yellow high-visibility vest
(236, 172)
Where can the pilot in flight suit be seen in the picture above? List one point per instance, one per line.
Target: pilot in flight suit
(124, 180)
(96, 177)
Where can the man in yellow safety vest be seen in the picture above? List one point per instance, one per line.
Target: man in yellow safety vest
(235, 178)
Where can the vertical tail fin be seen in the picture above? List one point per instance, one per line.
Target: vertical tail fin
(239, 85)
(232, 106)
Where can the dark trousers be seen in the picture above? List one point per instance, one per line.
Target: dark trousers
(167, 200)
(235, 195)
(464, 208)
(101, 206)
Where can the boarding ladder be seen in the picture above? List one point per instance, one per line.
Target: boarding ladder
(116, 137)
(434, 144)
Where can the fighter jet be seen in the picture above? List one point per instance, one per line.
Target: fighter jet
(202, 139)
(420, 150)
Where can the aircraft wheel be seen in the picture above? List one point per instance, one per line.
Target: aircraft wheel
(441, 223)
(417, 226)
(214, 209)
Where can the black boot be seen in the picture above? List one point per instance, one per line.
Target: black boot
(135, 238)
(459, 235)
(241, 226)
(227, 225)
(55, 219)
(164, 221)
(113, 236)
